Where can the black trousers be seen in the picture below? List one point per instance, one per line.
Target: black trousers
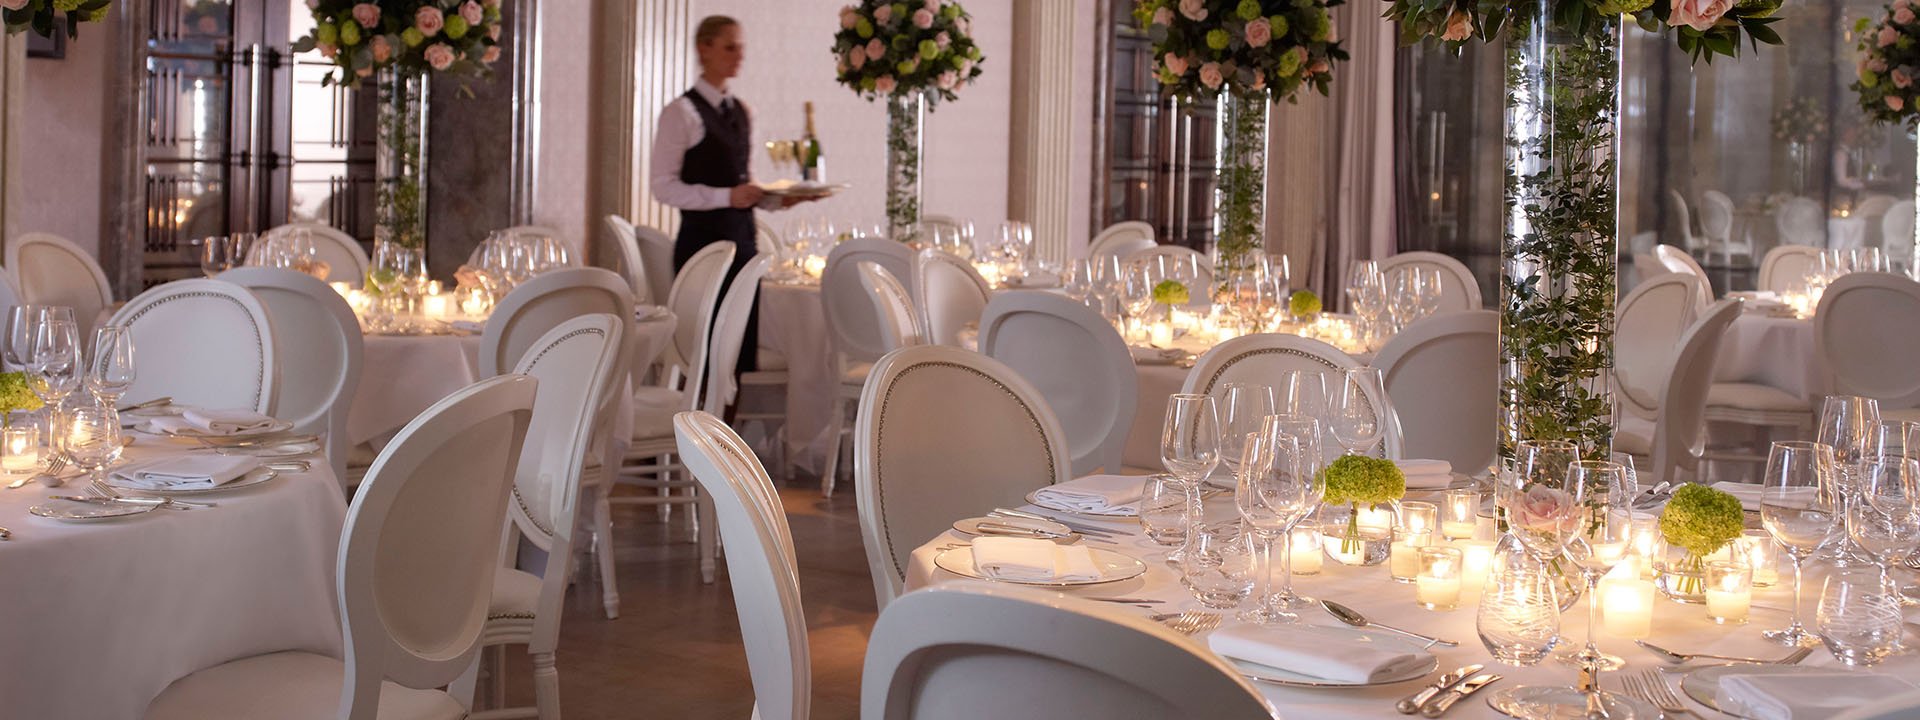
(703, 228)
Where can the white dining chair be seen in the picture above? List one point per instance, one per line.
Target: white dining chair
(1716, 227)
(50, 270)
(576, 251)
(9, 296)
(1681, 220)
(656, 255)
(1265, 358)
(1443, 377)
(319, 346)
(1681, 263)
(204, 343)
(1873, 206)
(728, 343)
(853, 329)
(949, 293)
(346, 261)
(1801, 221)
(621, 254)
(1784, 268)
(944, 434)
(1867, 331)
(766, 240)
(761, 565)
(1648, 323)
(899, 322)
(1122, 239)
(964, 650)
(938, 220)
(1673, 445)
(1896, 234)
(576, 364)
(1078, 363)
(1903, 706)
(1458, 288)
(417, 558)
(1179, 253)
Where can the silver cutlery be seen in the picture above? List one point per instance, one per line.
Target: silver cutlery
(104, 490)
(54, 466)
(1190, 622)
(1411, 703)
(1649, 686)
(161, 503)
(156, 402)
(990, 528)
(1438, 706)
(1353, 617)
(218, 443)
(1912, 562)
(1680, 657)
(288, 465)
(1076, 527)
(1125, 601)
(1654, 496)
(6, 534)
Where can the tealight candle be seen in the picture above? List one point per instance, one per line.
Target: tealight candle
(1403, 558)
(342, 288)
(1647, 543)
(1303, 550)
(1458, 513)
(1477, 556)
(20, 448)
(1438, 584)
(434, 306)
(1627, 601)
(814, 265)
(1160, 335)
(1729, 592)
(1416, 516)
(358, 300)
(1762, 556)
(1378, 517)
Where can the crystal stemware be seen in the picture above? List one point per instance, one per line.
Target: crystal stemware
(1883, 517)
(55, 367)
(1299, 495)
(90, 438)
(1243, 407)
(1604, 492)
(1356, 423)
(21, 327)
(1190, 449)
(1851, 426)
(1859, 617)
(1799, 508)
(110, 370)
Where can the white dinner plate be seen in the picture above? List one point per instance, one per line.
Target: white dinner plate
(1341, 636)
(1703, 685)
(278, 426)
(275, 451)
(1114, 567)
(253, 477)
(88, 512)
(1033, 497)
(789, 188)
(971, 526)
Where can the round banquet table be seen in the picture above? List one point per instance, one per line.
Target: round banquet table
(1777, 352)
(793, 323)
(102, 616)
(1683, 628)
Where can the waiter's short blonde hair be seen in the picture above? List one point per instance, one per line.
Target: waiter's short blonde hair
(710, 27)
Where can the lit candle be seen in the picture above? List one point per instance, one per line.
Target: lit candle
(1484, 527)
(814, 265)
(1646, 540)
(474, 304)
(1729, 592)
(1627, 602)
(1160, 335)
(1438, 585)
(357, 300)
(342, 288)
(1416, 516)
(21, 445)
(1304, 550)
(1459, 512)
(1403, 558)
(1378, 517)
(433, 287)
(434, 306)
(1761, 556)
(1478, 556)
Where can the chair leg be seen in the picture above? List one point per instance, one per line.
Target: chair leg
(833, 448)
(463, 688)
(705, 540)
(497, 676)
(546, 686)
(603, 552)
(780, 458)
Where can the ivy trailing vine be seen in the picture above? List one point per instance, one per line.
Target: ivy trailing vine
(903, 166)
(399, 207)
(1241, 197)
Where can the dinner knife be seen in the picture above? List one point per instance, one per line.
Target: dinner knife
(992, 528)
(1411, 703)
(1436, 707)
(1082, 529)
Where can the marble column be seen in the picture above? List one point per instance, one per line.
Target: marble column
(12, 87)
(124, 177)
(1039, 183)
(611, 150)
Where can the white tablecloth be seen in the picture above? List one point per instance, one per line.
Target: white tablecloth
(1846, 232)
(100, 617)
(1680, 627)
(1773, 351)
(793, 323)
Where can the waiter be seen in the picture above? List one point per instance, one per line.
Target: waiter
(699, 161)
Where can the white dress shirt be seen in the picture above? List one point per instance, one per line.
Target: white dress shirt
(680, 129)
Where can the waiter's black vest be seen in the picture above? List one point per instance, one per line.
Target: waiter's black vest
(718, 160)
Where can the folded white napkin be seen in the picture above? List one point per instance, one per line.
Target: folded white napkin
(213, 422)
(1031, 560)
(1155, 356)
(1800, 696)
(1749, 493)
(1104, 494)
(187, 472)
(1426, 474)
(1314, 652)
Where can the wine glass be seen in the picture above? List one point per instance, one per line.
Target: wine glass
(1138, 294)
(56, 360)
(1799, 508)
(1429, 290)
(21, 321)
(110, 370)
(1851, 426)
(1883, 517)
(90, 439)
(1534, 462)
(1603, 532)
(1356, 423)
(1244, 407)
(1301, 436)
(1078, 283)
(1272, 494)
(1190, 447)
(389, 267)
(216, 255)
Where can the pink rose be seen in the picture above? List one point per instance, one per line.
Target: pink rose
(1544, 509)
(493, 33)
(311, 4)
(1318, 66)
(470, 11)
(1195, 10)
(848, 19)
(922, 19)
(492, 54)
(382, 50)
(1259, 82)
(1903, 16)
(1259, 33)
(932, 5)
(428, 21)
(367, 14)
(1698, 14)
(966, 67)
(1459, 27)
(1163, 16)
(857, 58)
(883, 14)
(1887, 36)
(883, 84)
(1902, 4)
(327, 50)
(1175, 64)
(942, 40)
(439, 55)
(876, 49)
(947, 80)
(1895, 103)
(964, 25)
(1210, 75)
(1878, 65)
(1901, 79)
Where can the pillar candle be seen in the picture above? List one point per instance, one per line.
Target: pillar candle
(1160, 334)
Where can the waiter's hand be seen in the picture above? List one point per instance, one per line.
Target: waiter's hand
(746, 196)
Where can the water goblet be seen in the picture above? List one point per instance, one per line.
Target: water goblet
(1799, 508)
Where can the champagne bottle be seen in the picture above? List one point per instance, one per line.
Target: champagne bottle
(812, 161)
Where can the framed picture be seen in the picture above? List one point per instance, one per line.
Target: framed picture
(54, 47)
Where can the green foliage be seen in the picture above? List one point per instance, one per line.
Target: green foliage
(39, 15)
(1701, 519)
(16, 394)
(903, 167)
(1304, 303)
(935, 61)
(466, 40)
(1218, 48)
(1748, 21)
(1171, 292)
(1243, 179)
(1355, 479)
(1887, 83)
(399, 208)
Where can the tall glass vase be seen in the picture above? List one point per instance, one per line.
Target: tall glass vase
(400, 166)
(1559, 257)
(905, 112)
(1240, 198)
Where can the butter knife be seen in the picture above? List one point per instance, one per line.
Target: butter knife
(1436, 707)
(1411, 703)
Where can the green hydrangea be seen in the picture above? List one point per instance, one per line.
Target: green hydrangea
(929, 49)
(327, 34)
(1624, 7)
(1279, 25)
(350, 33)
(1171, 292)
(1218, 39)
(412, 37)
(1701, 519)
(1304, 303)
(1356, 479)
(15, 394)
(1249, 9)
(863, 27)
(456, 27)
(1289, 63)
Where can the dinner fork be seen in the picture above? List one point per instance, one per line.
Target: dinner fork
(1190, 622)
(1649, 686)
(1912, 562)
(54, 466)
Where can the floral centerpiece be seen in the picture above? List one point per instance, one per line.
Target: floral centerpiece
(1559, 256)
(1354, 480)
(1889, 64)
(1248, 53)
(16, 395)
(1698, 521)
(39, 15)
(912, 55)
(1799, 120)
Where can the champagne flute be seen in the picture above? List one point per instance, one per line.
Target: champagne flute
(1603, 492)
(1356, 423)
(110, 370)
(1798, 507)
(1190, 449)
